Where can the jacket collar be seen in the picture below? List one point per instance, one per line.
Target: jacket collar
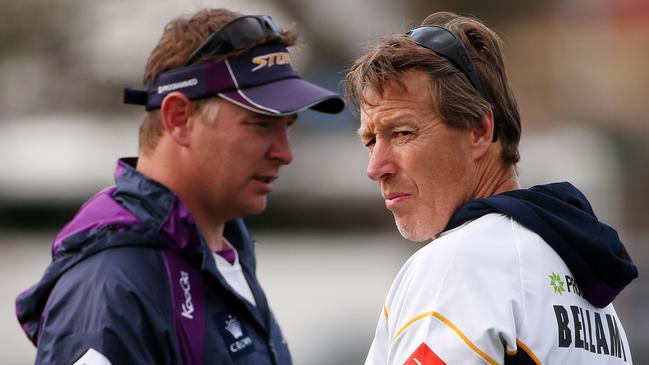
(158, 207)
(155, 205)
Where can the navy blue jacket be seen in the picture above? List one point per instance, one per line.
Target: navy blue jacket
(132, 278)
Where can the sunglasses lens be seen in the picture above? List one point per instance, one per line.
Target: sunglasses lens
(244, 32)
(270, 24)
(444, 43)
(436, 39)
(235, 35)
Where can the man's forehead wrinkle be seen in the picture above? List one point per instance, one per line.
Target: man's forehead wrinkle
(391, 115)
(388, 90)
(388, 95)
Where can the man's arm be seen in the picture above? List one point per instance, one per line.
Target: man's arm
(111, 308)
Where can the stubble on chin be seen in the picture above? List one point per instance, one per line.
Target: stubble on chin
(412, 230)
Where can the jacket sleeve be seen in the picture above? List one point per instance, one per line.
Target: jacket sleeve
(110, 308)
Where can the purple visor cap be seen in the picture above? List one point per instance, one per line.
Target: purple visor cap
(262, 80)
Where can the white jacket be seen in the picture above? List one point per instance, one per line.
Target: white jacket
(493, 292)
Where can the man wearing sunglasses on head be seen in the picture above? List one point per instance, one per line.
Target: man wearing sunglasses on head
(511, 276)
(160, 268)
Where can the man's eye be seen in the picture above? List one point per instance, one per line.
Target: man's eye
(402, 136)
(370, 142)
(263, 125)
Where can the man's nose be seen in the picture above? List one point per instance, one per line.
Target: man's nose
(382, 163)
(280, 150)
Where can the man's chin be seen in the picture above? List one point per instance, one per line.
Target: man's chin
(412, 231)
(254, 207)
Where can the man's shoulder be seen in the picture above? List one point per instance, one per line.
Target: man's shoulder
(484, 245)
(115, 301)
(127, 267)
(465, 280)
(482, 250)
(484, 236)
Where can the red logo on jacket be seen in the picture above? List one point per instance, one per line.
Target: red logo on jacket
(423, 355)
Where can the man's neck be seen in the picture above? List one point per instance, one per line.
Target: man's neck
(213, 235)
(211, 229)
(495, 177)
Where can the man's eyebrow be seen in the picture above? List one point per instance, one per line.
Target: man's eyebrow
(396, 120)
(386, 124)
(365, 133)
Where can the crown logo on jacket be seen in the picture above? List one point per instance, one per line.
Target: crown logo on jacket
(234, 327)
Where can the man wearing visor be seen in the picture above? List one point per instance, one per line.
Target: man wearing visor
(160, 268)
(511, 276)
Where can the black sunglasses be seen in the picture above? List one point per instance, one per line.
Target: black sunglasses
(235, 35)
(443, 42)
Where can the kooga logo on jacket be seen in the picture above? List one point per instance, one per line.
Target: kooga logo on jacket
(187, 309)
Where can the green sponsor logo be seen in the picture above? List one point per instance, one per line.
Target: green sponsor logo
(557, 283)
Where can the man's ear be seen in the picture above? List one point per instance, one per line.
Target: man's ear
(482, 135)
(175, 110)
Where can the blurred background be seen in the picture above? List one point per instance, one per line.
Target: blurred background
(328, 248)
